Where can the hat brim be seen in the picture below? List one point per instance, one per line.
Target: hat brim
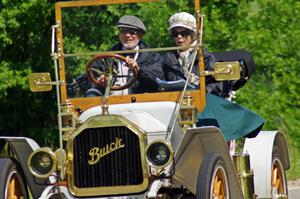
(180, 25)
(130, 26)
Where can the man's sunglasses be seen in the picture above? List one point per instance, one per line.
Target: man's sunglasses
(128, 31)
(183, 33)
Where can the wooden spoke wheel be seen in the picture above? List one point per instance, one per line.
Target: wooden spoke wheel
(278, 179)
(11, 182)
(212, 182)
(218, 186)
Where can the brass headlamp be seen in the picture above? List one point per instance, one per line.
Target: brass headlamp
(43, 162)
(159, 154)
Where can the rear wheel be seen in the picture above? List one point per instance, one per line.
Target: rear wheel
(212, 182)
(12, 185)
(278, 177)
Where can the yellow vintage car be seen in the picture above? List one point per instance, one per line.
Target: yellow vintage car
(145, 145)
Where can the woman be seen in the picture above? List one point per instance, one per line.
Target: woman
(182, 27)
(234, 120)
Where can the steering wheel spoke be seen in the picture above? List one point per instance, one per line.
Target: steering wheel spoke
(99, 72)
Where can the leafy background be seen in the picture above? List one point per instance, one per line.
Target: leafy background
(268, 29)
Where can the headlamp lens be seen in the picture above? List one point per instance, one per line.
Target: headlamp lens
(158, 154)
(42, 163)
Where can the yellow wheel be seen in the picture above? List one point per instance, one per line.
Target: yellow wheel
(212, 182)
(11, 182)
(218, 187)
(278, 180)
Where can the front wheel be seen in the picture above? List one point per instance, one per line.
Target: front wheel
(12, 185)
(212, 182)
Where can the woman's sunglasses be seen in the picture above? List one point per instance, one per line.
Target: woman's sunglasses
(183, 33)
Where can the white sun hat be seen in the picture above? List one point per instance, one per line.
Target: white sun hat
(182, 19)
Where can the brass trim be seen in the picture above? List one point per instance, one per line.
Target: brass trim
(96, 153)
(61, 157)
(188, 113)
(52, 155)
(227, 71)
(161, 49)
(107, 121)
(245, 174)
(170, 158)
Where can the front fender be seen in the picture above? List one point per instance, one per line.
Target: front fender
(188, 158)
(22, 147)
(260, 150)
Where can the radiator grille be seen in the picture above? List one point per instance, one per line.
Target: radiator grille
(119, 168)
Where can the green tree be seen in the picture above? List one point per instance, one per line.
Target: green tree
(24, 46)
(270, 31)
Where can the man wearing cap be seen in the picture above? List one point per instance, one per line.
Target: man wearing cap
(148, 64)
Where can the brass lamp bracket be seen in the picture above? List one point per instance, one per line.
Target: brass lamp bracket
(224, 71)
(40, 82)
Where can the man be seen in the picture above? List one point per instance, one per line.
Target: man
(148, 64)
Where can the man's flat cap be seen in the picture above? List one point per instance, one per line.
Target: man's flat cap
(131, 22)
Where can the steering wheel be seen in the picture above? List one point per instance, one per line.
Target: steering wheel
(105, 60)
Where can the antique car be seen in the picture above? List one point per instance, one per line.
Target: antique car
(146, 145)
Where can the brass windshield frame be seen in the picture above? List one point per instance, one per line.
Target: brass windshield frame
(85, 103)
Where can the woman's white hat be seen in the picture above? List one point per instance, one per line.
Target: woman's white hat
(182, 19)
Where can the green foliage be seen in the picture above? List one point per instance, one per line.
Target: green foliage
(24, 47)
(273, 38)
(268, 29)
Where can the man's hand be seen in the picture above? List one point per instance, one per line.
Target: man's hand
(102, 80)
(131, 63)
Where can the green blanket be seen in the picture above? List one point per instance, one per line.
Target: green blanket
(234, 120)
